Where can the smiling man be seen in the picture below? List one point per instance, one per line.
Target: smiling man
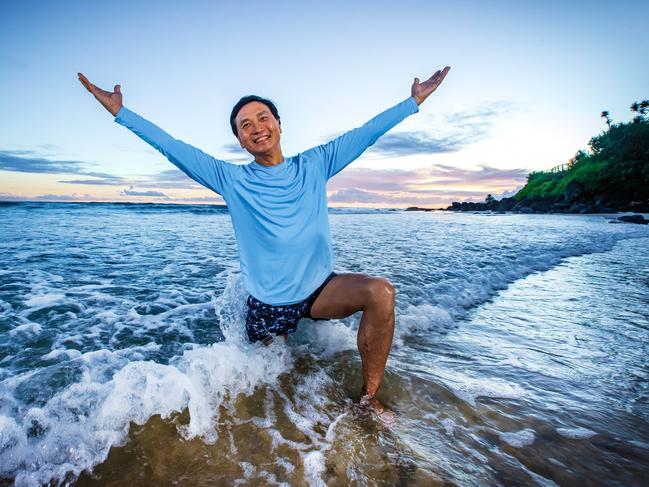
(278, 207)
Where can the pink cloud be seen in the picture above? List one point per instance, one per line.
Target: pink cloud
(434, 185)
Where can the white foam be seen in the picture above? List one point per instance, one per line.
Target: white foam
(43, 300)
(518, 439)
(12, 441)
(30, 329)
(469, 388)
(328, 337)
(576, 433)
(61, 353)
(80, 424)
(331, 430)
(421, 318)
(314, 466)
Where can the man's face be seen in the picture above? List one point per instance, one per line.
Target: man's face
(258, 130)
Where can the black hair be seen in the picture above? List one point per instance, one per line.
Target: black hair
(244, 101)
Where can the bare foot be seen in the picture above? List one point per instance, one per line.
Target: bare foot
(376, 407)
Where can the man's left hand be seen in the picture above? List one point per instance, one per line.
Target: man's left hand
(421, 91)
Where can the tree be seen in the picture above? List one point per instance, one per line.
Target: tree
(641, 108)
(605, 116)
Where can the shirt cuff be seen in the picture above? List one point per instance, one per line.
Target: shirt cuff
(121, 114)
(413, 104)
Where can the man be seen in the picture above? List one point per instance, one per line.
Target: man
(278, 208)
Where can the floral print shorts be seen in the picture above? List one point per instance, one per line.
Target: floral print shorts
(264, 321)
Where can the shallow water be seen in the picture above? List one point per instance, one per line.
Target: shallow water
(519, 356)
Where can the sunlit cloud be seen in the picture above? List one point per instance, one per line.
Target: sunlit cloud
(354, 196)
(436, 184)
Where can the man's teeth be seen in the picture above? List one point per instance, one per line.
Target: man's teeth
(261, 139)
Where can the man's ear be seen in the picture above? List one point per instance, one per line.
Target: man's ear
(279, 122)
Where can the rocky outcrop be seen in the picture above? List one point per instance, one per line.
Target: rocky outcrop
(572, 201)
(634, 219)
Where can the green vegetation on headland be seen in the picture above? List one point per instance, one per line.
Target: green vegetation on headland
(612, 175)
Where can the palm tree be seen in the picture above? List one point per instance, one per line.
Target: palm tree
(640, 108)
(605, 115)
(644, 107)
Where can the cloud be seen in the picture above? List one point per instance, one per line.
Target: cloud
(103, 181)
(437, 175)
(456, 131)
(133, 192)
(435, 184)
(360, 196)
(63, 197)
(169, 179)
(123, 196)
(52, 197)
(24, 161)
(11, 197)
(200, 199)
(442, 174)
(355, 195)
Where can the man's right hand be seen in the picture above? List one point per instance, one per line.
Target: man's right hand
(111, 101)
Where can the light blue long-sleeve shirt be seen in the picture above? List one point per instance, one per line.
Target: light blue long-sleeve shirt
(279, 213)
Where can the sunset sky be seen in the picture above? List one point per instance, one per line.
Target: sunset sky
(527, 85)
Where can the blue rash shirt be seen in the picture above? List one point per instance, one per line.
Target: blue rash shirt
(279, 213)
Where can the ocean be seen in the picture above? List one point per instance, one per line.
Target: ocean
(520, 353)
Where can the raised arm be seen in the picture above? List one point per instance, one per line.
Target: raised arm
(202, 168)
(341, 151)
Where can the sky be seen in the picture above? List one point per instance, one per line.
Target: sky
(527, 85)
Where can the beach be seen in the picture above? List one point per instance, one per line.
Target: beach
(519, 355)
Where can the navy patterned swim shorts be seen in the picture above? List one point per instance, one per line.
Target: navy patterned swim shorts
(265, 320)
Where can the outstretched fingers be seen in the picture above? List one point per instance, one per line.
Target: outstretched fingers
(439, 76)
(85, 82)
(94, 89)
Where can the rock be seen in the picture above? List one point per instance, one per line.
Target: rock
(573, 191)
(578, 208)
(561, 207)
(506, 204)
(639, 219)
(642, 206)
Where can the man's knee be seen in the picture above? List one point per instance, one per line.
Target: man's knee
(380, 290)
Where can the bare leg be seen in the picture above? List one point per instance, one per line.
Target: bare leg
(346, 294)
